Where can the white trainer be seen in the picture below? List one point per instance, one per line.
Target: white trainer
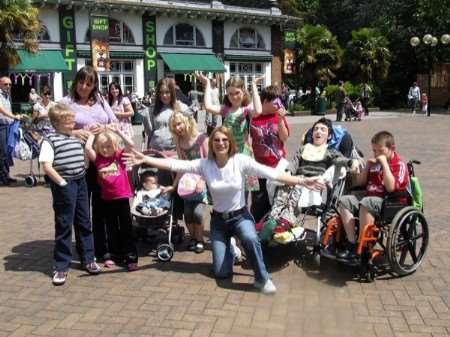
(268, 288)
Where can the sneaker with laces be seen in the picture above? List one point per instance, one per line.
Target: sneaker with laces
(59, 278)
(93, 268)
(109, 263)
(266, 288)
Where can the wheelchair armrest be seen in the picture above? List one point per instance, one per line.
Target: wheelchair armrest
(392, 204)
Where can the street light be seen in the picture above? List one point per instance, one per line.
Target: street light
(430, 41)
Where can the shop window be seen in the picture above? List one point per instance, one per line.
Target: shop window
(184, 34)
(247, 71)
(247, 38)
(119, 32)
(122, 72)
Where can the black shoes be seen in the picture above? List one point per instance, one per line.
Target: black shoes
(348, 253)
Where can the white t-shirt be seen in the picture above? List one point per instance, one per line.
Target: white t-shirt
(226, 184)
(47, 155)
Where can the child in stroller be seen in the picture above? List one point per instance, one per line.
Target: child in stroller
(152, 209)
(350, 110)
(149, 200)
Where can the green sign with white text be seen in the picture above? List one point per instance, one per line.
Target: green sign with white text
(68, 43)
(149, 31)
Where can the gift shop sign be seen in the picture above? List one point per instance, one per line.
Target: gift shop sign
(149, 31)
(68, 43)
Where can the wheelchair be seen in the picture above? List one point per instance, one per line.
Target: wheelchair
(399, 238)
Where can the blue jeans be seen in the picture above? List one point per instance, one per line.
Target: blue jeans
(4, 164)
(242, 227)
(71, 207)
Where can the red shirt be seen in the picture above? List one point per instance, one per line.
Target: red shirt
(267, 146)
(399, 169)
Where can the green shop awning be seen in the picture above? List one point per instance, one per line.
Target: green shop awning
(249, 58)
(187, 63)
(42, 61)
(115, 54)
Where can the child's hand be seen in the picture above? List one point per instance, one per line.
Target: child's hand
(96, 128)
(281, 112)
(314, 183)
(133, 158)
(372, 161)
(355, 167)
(259, 79)
(113, 127)
(167, 189)
(201, 77)
(382, 159)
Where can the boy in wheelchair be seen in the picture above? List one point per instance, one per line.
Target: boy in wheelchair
(385, 173)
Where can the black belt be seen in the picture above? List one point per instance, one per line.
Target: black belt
(229, 215)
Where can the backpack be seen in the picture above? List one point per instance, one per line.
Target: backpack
(416, 192)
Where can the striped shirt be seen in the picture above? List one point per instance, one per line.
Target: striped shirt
(67, 155)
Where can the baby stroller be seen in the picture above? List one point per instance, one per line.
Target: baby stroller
(350, 111)
(160, 229)
(24, 145)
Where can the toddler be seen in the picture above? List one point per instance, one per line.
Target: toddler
(149, 199)
(104, 152)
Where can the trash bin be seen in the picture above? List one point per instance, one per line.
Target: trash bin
(321, 105)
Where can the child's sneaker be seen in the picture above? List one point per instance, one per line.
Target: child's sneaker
(59, 278)
(268, 288)
(133, 266)
(93, 268)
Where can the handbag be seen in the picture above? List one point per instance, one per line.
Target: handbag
(187, 187)
(22, 150)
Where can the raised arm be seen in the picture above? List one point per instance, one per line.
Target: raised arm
(129, 144)
(137, 158)
(89, 148)
(257, 106)
(209, 107)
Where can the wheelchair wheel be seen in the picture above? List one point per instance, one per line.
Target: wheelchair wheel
(407, 241)
(31, 181)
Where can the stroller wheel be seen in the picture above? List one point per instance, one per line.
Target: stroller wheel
(165, 252)
(31, 181)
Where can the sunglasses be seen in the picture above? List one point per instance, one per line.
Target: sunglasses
(47, 94)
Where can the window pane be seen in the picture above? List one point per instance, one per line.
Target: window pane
(128, 83)
(234, 40)
(103, 83)
(261, 44)
(168, 39)
(43, 34)
(199, 38)
(128, 66)
(116, 66)
(258, 68)
(114, 31)
(184, 34)
(127, 34)
(232, 67)
(247, 38)
(245, 68)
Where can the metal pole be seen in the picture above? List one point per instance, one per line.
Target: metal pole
(430, 72)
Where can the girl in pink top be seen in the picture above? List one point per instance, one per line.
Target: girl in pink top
(103, 151)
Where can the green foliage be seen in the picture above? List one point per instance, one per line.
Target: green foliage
(319, 54)
(367, 55)
(17, 18)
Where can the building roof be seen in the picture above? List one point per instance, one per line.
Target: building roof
(263, 12)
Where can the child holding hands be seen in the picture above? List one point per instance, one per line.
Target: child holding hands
(103, 150)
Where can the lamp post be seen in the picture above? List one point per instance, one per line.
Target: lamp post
(430, 41)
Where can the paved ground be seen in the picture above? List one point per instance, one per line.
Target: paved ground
(182, 299)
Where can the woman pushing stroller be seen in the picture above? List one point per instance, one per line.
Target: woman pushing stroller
(224, 172)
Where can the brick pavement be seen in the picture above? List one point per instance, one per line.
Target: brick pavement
(182, 299)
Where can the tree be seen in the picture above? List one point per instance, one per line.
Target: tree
(319, 55)
(17, 19)
(368, 55)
